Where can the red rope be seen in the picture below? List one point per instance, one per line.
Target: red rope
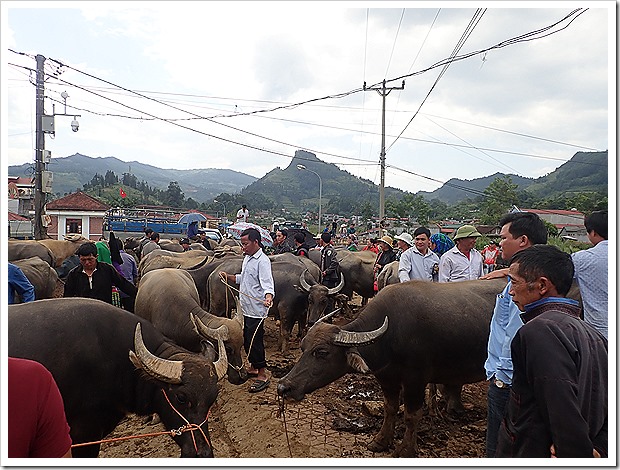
(173, 432)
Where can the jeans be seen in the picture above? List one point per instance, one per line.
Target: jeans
(497, 401)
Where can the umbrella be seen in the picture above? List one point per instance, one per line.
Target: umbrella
(192, 217)
(236, 229)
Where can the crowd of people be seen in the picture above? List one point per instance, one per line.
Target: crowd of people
(546, 365)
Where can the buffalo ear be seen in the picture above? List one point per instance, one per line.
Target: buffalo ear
(356, 362)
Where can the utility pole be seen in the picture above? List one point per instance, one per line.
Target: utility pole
(383, 91)
(40, 232)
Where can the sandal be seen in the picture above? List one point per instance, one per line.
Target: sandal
(258, 385)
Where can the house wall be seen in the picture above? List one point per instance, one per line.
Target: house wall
(91, 222)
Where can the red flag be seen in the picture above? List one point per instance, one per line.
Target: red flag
(122, 192)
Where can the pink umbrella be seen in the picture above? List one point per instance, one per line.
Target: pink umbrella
(236, 229)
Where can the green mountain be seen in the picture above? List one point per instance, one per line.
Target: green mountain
(299, 189)
(71, 173)
(584, 172)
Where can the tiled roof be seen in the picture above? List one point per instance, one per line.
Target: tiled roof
(14, 216)
(553, 211)
(77, 201)
(22, 180)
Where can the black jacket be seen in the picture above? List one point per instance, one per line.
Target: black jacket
(302, 250)
(104, 278)
(385, 257)
(559, 386)
(330, 267)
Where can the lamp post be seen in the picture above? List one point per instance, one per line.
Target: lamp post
(223, 204)
(303, 167)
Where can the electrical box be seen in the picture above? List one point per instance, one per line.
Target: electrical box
(47, 124)
(46, 181)
(47, 156)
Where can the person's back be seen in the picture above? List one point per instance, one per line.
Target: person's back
(301, 248)
(591, 272)
(37, 426)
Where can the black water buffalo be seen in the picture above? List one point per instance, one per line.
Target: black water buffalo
(108, 362)
(167, 296)
(67, 265)
(40, 274)
(410, 334)
(320, 298)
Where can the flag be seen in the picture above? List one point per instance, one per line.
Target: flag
(122, 192)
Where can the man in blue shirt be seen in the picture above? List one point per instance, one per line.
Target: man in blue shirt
(519, 230)
(18, 282)
(591, 271)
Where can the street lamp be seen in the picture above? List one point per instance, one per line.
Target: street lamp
(220, 202)
(303, 167)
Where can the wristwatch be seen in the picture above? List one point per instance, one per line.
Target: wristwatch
(499, 384)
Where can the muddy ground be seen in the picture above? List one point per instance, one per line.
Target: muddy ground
(335, 421)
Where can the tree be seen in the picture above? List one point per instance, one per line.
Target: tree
(173, 196)
(499, 197)
(110, 178)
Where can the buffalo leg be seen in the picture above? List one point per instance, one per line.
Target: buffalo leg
(452, 395)
(391, 401)
(413, 397)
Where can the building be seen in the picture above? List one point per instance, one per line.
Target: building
(569, 223)
(21, 195)
(75, 213)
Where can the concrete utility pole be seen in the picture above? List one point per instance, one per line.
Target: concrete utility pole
(40, 232)
(383, 91)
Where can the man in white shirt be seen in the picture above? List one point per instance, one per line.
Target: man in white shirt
(243, 214)
(256, 292)
(463, 262)
(417, 260)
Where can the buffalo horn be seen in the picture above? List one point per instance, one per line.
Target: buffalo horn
(329, 315)
(304, 283)
(338, 288)
(359, 338)
(220, 333)
(202, 263)
(221, 365)
(162, 369)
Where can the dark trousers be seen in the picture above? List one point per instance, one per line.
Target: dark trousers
(497, 402)
(256, 355)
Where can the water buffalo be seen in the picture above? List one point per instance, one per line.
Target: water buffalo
(167, 296)
(108, 362)
(22, 249)
(40, 274)
(62, 249)
(67, 265)
(320, 298)
(388, 275)
(410, 334)
(158, 259)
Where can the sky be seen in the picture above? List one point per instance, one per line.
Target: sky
(191, 85)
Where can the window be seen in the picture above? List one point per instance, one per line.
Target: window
(74, 226)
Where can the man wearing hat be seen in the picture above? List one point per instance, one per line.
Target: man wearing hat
(386, 254)
(463, 262)
(185, 243)
(417, 261)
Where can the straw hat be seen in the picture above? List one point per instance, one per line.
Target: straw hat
(386, 239)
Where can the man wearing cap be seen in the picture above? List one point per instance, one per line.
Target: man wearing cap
(417, 261)
(463, 262)
(330, 267)
(185, 243)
